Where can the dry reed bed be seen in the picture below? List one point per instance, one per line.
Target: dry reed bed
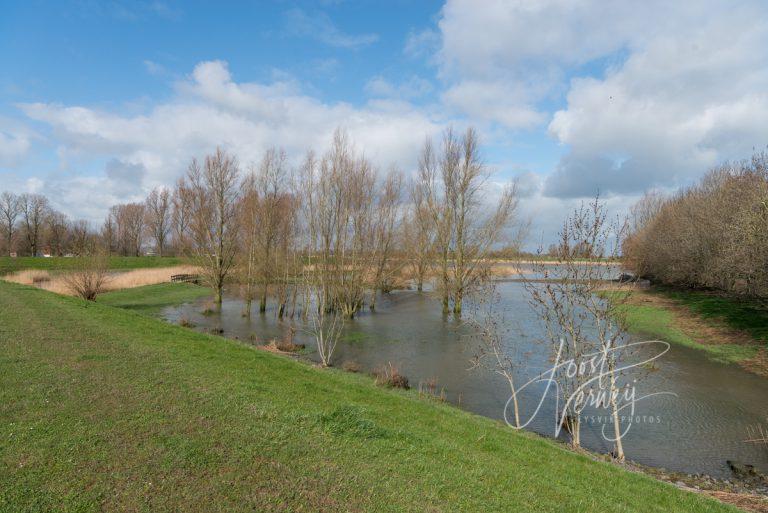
(56, 282)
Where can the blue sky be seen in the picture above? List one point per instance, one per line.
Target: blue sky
(101, 101)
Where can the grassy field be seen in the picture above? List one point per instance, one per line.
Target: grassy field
(151, 299)
(104, 408)
(730, 331)
(9, 265)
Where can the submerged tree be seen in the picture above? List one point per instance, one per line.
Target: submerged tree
(495, 350)
(386, 221)
(580, 319)
(453, 185)
(214, 192)
(418, 236)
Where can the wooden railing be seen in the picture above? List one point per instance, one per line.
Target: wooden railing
(186, 278)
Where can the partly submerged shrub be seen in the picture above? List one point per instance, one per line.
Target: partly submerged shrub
(389, 375)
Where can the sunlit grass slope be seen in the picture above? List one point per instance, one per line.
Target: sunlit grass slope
(105, 409)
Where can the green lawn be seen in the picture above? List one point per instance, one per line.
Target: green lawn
(105, 409)
(9, 265)
(151, 299)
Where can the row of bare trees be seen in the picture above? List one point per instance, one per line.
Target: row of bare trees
(713, 234)
(338, 222)
(322, 238)
(30, 226)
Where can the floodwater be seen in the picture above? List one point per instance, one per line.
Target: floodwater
(698, 419)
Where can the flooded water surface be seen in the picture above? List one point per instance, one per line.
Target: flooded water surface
(699, 419)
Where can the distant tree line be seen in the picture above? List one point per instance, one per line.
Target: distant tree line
(30, 226)
(713, 234)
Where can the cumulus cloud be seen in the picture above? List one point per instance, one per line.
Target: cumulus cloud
(211, 109)
(655, 93)
(487, 101)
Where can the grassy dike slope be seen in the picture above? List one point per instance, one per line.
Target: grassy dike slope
(118, 263)
(151, 299)
(108, 409)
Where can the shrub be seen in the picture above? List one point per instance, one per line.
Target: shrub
(89, 280)
(711, 235)
(389, 375)
(186, 323)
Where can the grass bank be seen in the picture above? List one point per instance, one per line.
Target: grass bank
(151, 299)
(729, 330)
(103, 408)
(9, 265)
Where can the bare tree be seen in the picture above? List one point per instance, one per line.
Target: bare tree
(418, 236)
(433, 177)
(82, 242)
(10, 208)
(57, 231)
(323, 320)
(109, 232)
(181, 203)
(475, 234)
(129, 226)
(579, 321)
(270, 185)
(494, 350)
(214, 192)
(464, 234)
(158, 217)
(249, 230)
(386, 221)
(34, 208)
(339, 190)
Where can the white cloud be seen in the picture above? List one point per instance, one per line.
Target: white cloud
(319, 26)
(485, 101)
(683, 102)
(421, 43)
(13, 146)
(414, 87)
(656, 91)
(153, 68)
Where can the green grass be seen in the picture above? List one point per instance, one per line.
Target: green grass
(151, 299)
(9, 265)
(105, 409)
